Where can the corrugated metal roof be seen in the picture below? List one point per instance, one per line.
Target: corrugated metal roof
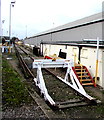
(87, 43)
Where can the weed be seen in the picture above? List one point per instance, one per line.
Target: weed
(14, 91)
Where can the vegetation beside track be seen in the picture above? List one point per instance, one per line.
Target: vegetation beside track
(14, 91)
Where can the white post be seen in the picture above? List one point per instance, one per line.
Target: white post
(97, 55)
(10, 22)
(11, 5)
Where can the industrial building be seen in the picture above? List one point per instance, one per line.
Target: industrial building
(78, 37)
(86, 28)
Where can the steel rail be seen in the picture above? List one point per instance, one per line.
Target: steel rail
(24, 64)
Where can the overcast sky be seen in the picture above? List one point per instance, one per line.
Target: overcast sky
(30, 17)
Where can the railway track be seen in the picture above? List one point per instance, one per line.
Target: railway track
(31, 88)
(64, 96)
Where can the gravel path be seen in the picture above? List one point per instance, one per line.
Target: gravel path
(26, 111)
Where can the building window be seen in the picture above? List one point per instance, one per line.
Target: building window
(84, 53)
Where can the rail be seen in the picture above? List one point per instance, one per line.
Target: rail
(39, 81)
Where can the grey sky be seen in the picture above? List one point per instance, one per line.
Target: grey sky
(33, 16)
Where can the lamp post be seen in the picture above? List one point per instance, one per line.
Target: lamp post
(26, 31)
(11, 5)
(51, 31)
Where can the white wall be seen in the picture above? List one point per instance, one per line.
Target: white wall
(49, 49)
(88, 58)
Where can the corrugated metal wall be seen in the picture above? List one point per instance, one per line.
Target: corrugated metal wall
(77, 32)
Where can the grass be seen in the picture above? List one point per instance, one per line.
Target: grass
(14, 91)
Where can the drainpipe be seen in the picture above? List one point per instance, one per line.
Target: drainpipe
(79, 55)
(97, 55)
